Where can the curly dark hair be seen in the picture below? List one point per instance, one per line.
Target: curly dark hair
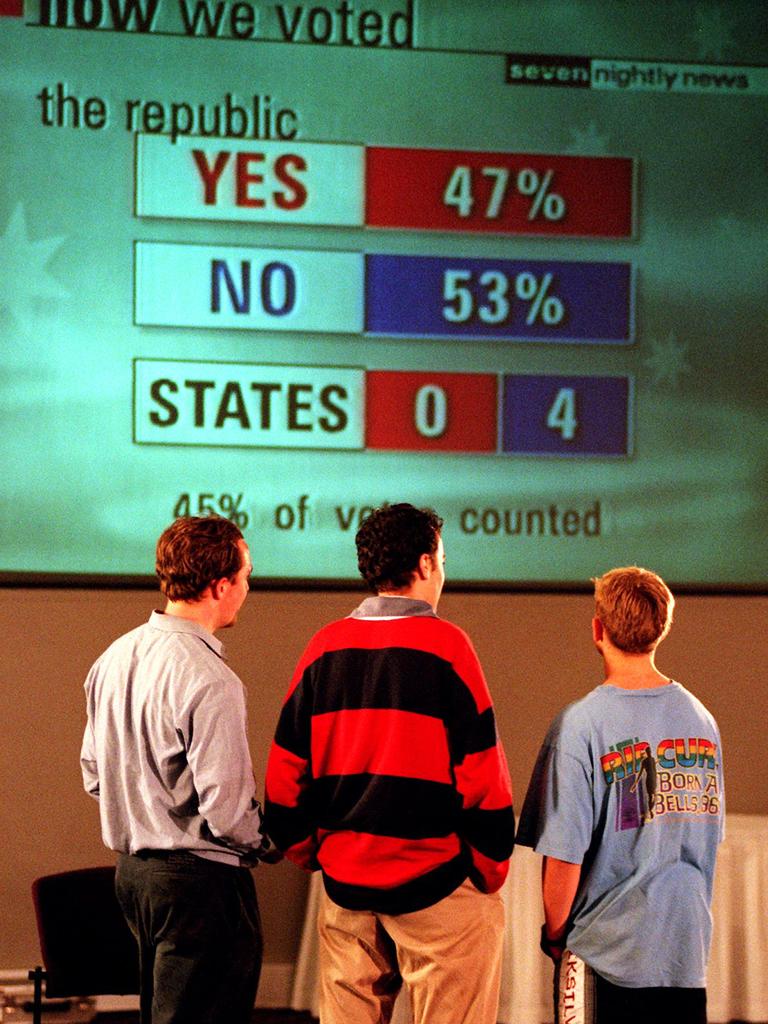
(193, 552)
(390, 542)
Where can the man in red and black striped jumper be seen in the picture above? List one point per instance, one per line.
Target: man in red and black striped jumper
(387, 774)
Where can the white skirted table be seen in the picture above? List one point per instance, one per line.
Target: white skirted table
(738, 977)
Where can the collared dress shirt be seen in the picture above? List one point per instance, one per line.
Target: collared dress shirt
(165, 749)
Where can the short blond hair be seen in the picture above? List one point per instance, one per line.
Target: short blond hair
(635, 607)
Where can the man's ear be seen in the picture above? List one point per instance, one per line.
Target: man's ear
(425, 566)
(219, 588)
(598, 630)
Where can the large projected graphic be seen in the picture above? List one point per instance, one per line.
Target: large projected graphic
(284, 262)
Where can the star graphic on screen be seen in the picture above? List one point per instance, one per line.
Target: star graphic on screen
(730, 227)
(589, 140)
(23, 277)
(713, 34)
(667, 361)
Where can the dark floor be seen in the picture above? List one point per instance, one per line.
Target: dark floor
(260, 1016)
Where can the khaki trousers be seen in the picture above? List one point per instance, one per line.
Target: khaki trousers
(448, 956)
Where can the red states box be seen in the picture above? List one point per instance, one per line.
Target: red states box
(446, 412)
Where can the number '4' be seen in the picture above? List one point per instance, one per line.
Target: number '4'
(562, 414)
(458, 191)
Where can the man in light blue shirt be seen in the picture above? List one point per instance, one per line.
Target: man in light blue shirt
(165, 752)
(626, 805)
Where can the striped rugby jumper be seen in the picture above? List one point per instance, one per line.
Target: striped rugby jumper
(386, 771)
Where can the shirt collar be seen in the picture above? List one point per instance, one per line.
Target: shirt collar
(174, 624)
(392, 608)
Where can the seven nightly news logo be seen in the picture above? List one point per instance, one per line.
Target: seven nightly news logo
(558, 71)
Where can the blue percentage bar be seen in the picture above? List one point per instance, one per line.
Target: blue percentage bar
(521, 300)
(552, 415)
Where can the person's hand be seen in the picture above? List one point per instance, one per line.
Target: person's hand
(553, 948)
(271, 856)
(268, 853)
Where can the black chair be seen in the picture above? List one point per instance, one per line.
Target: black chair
(86, 945)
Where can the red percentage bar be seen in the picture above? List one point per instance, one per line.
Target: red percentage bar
(499, 193)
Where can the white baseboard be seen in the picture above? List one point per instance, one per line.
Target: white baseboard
(274, 988)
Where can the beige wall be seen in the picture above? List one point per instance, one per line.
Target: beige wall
(537, 655)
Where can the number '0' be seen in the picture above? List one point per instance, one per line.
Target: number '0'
(430, 411)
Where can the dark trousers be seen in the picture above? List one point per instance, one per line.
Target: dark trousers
(683, 1005)
(197, 925)
(582, 996)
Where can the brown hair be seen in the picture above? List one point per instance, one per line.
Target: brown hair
(193, 552)
(635, 607)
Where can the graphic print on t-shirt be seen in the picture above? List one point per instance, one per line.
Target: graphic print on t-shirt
(675, 776)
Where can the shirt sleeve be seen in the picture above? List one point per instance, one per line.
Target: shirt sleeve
(88, 764)
(557, 819)
(220, 762)
(288, 815)
(487, 824)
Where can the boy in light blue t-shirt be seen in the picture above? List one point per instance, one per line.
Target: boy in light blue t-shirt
(626, 805)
